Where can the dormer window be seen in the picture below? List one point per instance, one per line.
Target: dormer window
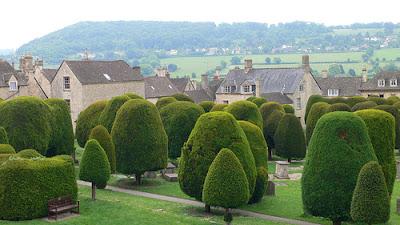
(333, 92)
(246, 89)
(393, 82)
(13, 85)
(381, 83)
(227, 89)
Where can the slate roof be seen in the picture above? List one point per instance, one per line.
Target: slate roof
(93, 72)
(49, 74)
(180, 83)
(347, 86)
(199, 95)
(21, 78)
(277, 97)
(157, 87)
(5, 67)
(372, 84)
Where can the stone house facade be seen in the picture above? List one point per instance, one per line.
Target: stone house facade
(384, 84)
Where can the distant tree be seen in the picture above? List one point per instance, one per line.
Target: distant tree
(365, 57)
(388, 28)
(277, 60)
(146, 69)
(194, 75)
(391, 67)
(370, 52)
(267, 60)
(172, 68)
(352, 72)
(235, 60)
(223, 64)
(335, 69)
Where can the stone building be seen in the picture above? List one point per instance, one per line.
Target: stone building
(159, 86)
(384, 84)
(340, 86)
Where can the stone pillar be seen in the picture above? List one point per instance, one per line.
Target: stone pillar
(282, 170)
(270, 189)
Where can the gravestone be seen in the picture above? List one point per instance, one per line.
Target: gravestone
(282, 170)
(398, 169)
(270, 189)
(170, 169)
(171, 177)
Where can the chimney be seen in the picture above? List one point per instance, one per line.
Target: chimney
(248, 65)
(258, 88)
(161, 72)
(26, 63)
(204, 81)
(136, 70)
(364, 74)
(306, 63)
(217, 73)
(13, 65)
(324, 73)
(39, 63)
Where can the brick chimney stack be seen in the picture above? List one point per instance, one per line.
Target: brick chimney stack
(26, 63)
(364, 74)
(306, 63)
(204, 81)
(248, 65)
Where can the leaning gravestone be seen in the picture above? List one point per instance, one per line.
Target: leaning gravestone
(398, 169)
(282, 170)
(270, 189)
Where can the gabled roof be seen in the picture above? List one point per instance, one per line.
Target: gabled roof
(180, 83)
(103, 72)
(277, 97)
(347, 86)
(372, 84)
(49, 73)
(5, 67)
(157, 87)
(199, 95)
(21, 79)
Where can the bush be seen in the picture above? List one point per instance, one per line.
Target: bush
(245, 110)
(363, 105)
(257, 143)
(212, 132)
(261, 185)
(338, 149)
(316, 112)
(226, 184)
(141, 143)
(336, 100)
(351, 101)
(3, 136)
(259, 101)
(164, 101)
(101, 134)
(179, 119)
(271, 113)
(62, 135)
(397, 105)
(4, 157)
(288, 108)
(182, 97)
(26, 120)
(107, 117)
(339, 107)
(94, 165)
(133, 95)
(26, 198)
(392, 99)
(6, 149)
(289, 138)
(381, 131)
(395, 113)
(310, 102)
(207, 105)
(251, 98)
(29, 154)
(88, 119)
(218, 107)
(378, 100)
(371, 201)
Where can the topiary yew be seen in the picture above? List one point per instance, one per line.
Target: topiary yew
(338, 149)
(378, 100)
(6, 149)
(310, 102)
(164, 101)
(218, 107)
(339, 107)
(29, 154)
(271, 113)
(363, 105)
(245, 110)
(3, 136)
(316, 112)
(392, 99)
(107, 117)
(395, 113)
(397, 105)
(182, 97)
(259, 101)
(335, 100)
(133, 95)
(261, 185)
(288, 108)
(351, 101)
(101, 134)
(207, 105)
(251, 98)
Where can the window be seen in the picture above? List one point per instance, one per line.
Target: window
(246, 89)
(381, 95)
(381, 83)
(393, 82)
(301, 87)
(13, 85)
(225, 101)
(253, 88)
(227, 89)
(67, 83)
(298, 103)
(333, 92)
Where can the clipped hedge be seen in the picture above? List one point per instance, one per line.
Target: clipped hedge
(363, 105)
(161, 102)
(207, 105)
(339, 107)
(182, 97)
(257, 143)
(351, 101)
(101, 134)
(392, 99)
(288, 108)
(251, 98)
(271, 113)
(316, 112)
(259, 101)
(7, 149)
(397, 105)
(29, 154)
(3, 136)
(107, 117)
(261, 185)
(179, 119)
(395, 113)
(335, 100)
(132, 95)
(310, 102)
(245, 110)
(378, 100)
(218, 107)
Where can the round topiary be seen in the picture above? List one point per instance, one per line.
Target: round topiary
(3, 136)
(371, 201)
(62, 136)
(226, 183)
(179, 119)
(271, 113)
(6, 149)
(218, 107)
(288, 108)
(141, 143)
(336, 100)
(133, 95)
(257, 143)
(261, 185)
(207, 105)
(245, 110)
(378, 100)
(289, 138)
(88, 119)
(161, 102)
(251, 98)
(212, 132)
(392, 99)
(107, 117)
(338, 149)
(101, 134)
(339, 107)
(395, 113)
(27, 122)
(397, 105)
(182, 97)
(259, 101)
(311, 100)
(363, 105)
(29, 154)
(351, 101)
(316, 112)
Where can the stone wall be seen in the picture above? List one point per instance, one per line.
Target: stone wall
(221, 98)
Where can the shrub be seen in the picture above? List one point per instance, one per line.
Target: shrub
(107, 117)
(310, 102)
(141, 143)
(207, 105)
(339, 107)
(397, 105)
(289, 138)
(245, 110)
(316, 112)
(212, 132)
(288, 108)
(395, 113)
(363, 105)
(182, 97)
(101, 134)
(88, 119)
(257, 143)
(27, 198)
(26, 120)
(29, 154)
(4, 157)
(259, 101)
(3, 136)
(378, 100)
(251, 98)
(6, 149)
(271, 113)
(179, 119)
(133, 95)
(261, 185)
(381, 131)
(392, 99)
(218, 107)
(351, 101)
(161, 102)
(371, 201)
(338, 149)
(62, 135)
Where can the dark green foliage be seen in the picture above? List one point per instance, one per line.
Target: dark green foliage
(395, 113)
(316, 112)
(3, 136)
(338, 149)
(94, 165)
(101, 134)
(218, 107)
(378, 100)
(29, 154)
(257, 143)
(271, 113)
(182, 97)
(226, 184)
(339, 107)
(381, 131)
(392, 99)
(335, 100)
(397, 105)
(88, 119)
(251, 98)
(62, 136)
(245, 110)
(6, 149)
(371, 201)
(207, 105)
(107, 117)
(261, 185)
(212, 132)
(4, 157)
(179, 119)
(351, 101)
(259, 101)
(289, 138)
(133, 95)
(288, 108)
(27, 122)
(161, 102)
(363, 105)
(39, 180)
(141, 143)
(311, 100)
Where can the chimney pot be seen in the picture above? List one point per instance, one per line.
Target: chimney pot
(364, 74)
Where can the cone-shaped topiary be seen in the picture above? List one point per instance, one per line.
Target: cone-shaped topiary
(392, 99)
(395, 113)
(363, 105)
(351, 101)
(271, 113)
(218, 107)
(310, 102)
(94, 166)
(212, 132)
(3, 136)
(381, 131)
(316, 112)
(339, 107)
(88, 119)
(207, 105)
(288, 108)
(289, 138)
(182, 97)
(259, 101)
(161, 102)
(27, 122)
(133, 95)
(6, 149)
(378, 100)
(261, 185)
(29, 154)
(62, 136)
(107, 117)
(141, 143)
(371, 201)
(245, 110)
(338, 149)
(101, 134)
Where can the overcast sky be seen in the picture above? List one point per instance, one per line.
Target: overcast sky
(24, 20)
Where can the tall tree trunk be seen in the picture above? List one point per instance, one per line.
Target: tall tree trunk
(269, 154)
(337, 222)
(207, 208)
(138, 178)
(289, 160)
(228, 216)
(93, 191)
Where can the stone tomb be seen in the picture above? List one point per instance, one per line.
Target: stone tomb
(282, 170)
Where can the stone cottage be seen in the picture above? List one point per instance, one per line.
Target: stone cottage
(384, 84)
(340, 86)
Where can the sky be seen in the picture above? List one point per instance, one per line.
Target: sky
(25, 20)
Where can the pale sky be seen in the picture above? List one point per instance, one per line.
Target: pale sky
(24, 20)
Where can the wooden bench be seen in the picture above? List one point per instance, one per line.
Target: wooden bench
(61, 205)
